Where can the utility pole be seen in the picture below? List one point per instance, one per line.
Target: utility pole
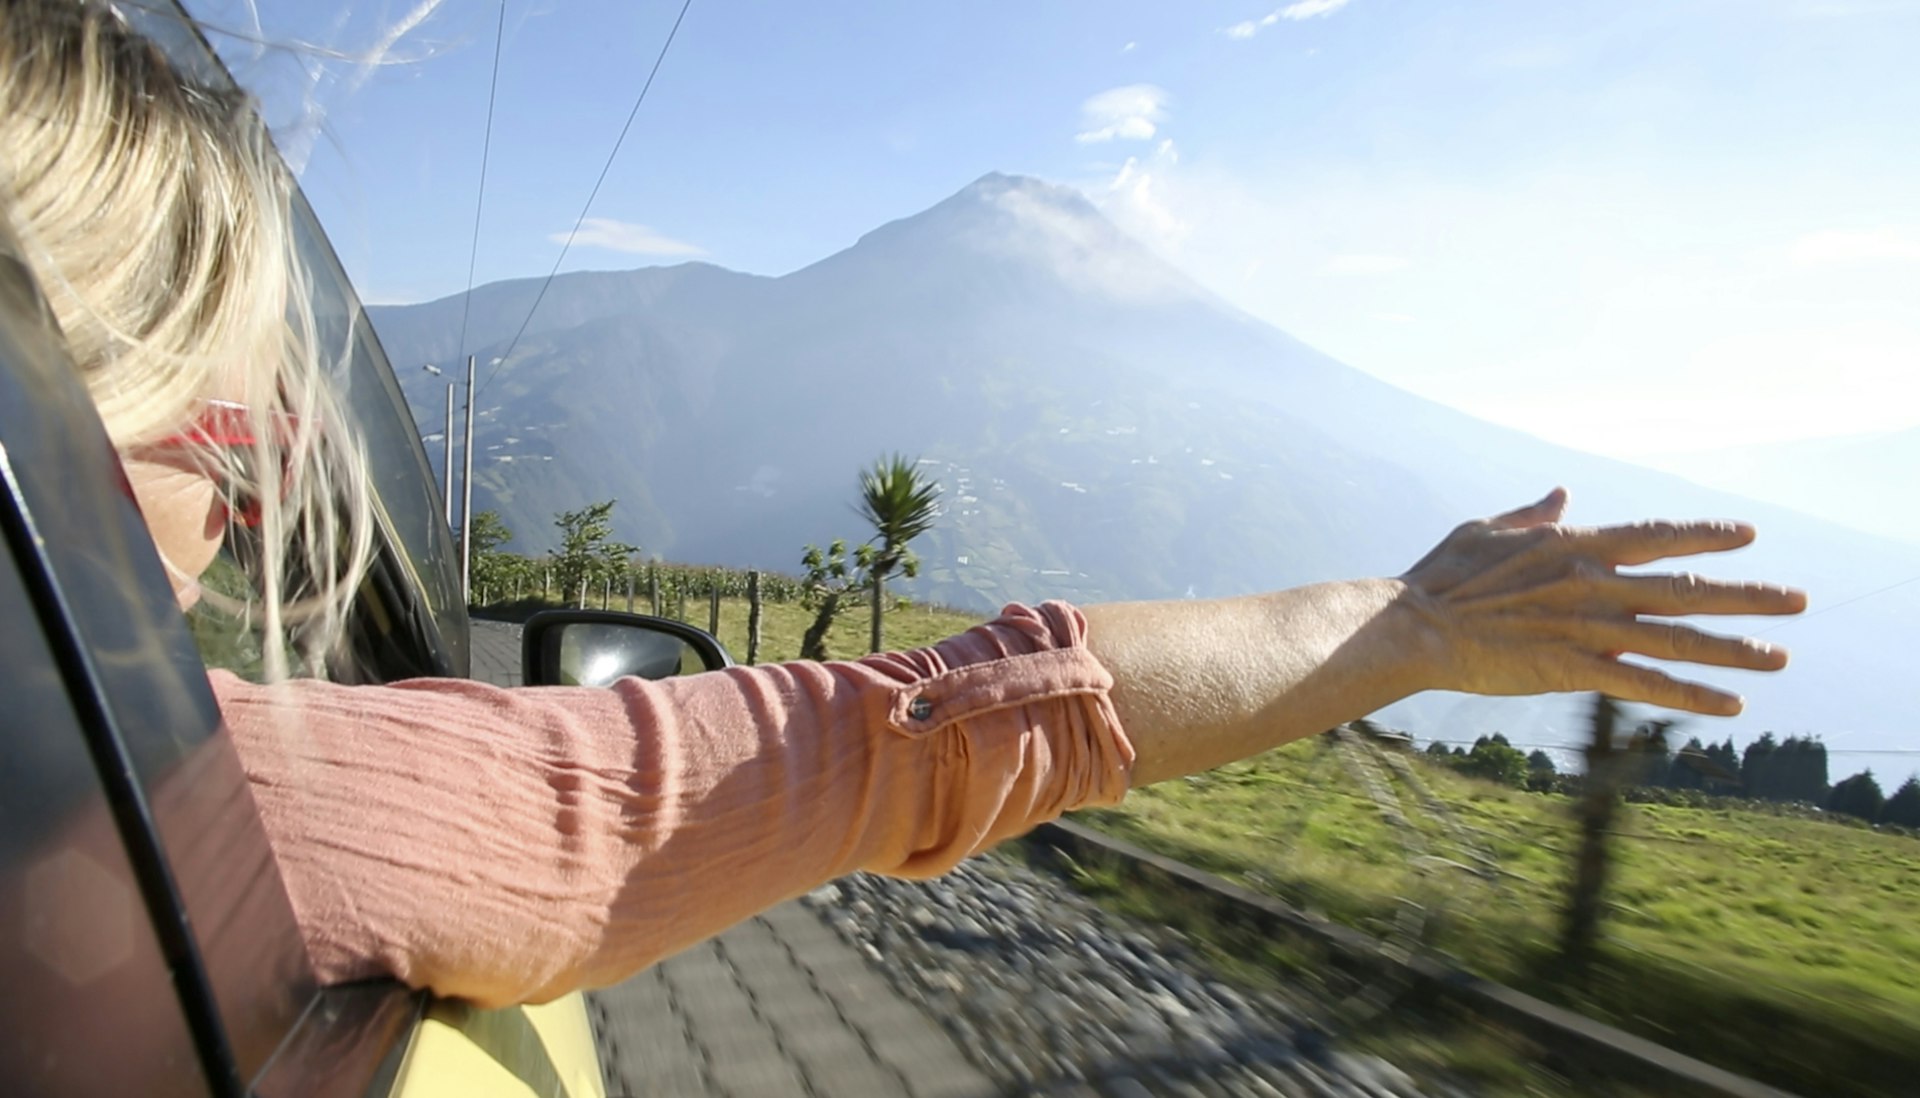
(446, 463)
(466, 494)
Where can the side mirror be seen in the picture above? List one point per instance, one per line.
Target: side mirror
(595, 647)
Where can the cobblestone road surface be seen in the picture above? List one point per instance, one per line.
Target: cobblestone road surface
(992, 980)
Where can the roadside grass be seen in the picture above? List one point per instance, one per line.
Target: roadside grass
(1777, 947)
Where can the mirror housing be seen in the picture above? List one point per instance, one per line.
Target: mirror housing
(595, 647)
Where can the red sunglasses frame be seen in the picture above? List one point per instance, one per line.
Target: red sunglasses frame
(229, 425)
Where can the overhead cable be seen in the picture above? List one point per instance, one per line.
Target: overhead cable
(480, 196)
(591, 195)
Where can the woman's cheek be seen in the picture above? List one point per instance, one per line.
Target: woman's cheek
(185, 518)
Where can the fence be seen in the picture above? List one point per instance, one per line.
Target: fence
(513, 585)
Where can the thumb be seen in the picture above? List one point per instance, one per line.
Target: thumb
(1548, 508)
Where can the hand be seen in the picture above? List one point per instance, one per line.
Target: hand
(1523, 605)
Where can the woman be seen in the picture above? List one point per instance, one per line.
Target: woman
(512, 845)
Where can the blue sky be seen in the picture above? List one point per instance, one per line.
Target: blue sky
(1631, 227)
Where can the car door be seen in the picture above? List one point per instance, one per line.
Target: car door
(146, 942)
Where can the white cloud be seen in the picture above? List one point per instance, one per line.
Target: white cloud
(1131, 112)
(1048, 224)
(1129, 47)
(1367, 264)
(1307, 9)
(1304, 9)
(623, 236)
(1883, 245)
(1144, 208)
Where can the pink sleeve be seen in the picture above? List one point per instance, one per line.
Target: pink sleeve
(511, 845)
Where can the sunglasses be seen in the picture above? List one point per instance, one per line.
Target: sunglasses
(231, 427)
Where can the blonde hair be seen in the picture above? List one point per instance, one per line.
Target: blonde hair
(157, 216)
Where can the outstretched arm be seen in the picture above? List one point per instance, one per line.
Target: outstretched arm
(1515, 604)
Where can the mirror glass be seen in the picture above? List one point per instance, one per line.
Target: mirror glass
(596, 653)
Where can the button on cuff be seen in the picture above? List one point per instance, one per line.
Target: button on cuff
(924, 707)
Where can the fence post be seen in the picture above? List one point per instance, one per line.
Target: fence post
(546, 586)
(753, 618)
(653, 589)
(629, 589)
(606, 591)
(713, 606)
(1595, 809)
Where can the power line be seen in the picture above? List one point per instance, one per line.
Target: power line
(480, 197)
(1838, 605)
(595, 193)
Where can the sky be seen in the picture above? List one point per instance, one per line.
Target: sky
(1631, 227)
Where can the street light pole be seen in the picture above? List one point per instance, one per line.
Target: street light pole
(467, 488)
(446, 462)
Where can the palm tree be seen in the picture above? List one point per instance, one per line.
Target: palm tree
(901, 505)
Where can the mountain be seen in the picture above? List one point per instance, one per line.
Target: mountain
(1864, 481)
(1103, 427)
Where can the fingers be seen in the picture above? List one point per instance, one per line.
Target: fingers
(1658, 539)
(1632, 682)
(1549, 508)
(1685, 593)
(1664, 640)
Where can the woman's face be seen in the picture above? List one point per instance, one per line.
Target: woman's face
(184, 514)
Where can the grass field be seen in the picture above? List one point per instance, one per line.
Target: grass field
(782, 625)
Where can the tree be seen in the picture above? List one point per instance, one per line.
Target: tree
(492, 570)
(1688, 763)
(1495, 760)
(1858, 796)
(825, 589)
(1903, 807)
(1726, 764)
(901, 505)
(1802, 761)
(1757, 768)
(1539, 762)
(587, 548)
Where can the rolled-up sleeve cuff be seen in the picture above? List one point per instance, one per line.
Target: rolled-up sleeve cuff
(1018, 715)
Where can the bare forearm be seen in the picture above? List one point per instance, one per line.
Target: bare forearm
(1201, 683)
(1514, 604)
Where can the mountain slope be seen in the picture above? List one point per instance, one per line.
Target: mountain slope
(1102, 425)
